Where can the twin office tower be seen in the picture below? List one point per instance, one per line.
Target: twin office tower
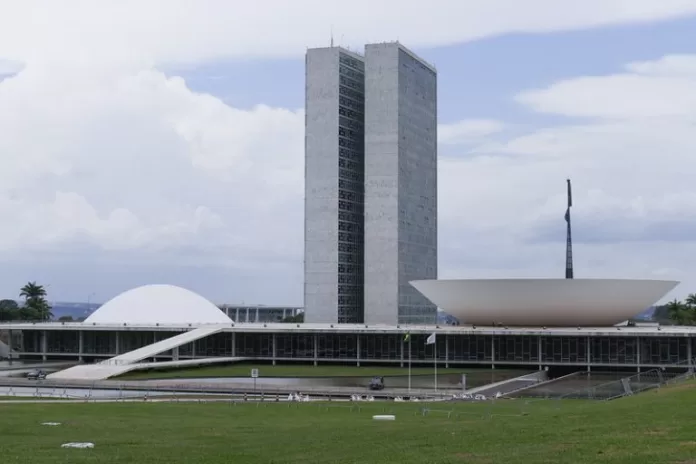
(370, 185)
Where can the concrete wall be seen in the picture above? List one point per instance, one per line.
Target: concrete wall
(333, 186)
(400, 184)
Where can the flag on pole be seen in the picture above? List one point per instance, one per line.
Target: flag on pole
(430, 340)
(407, 337)
(570, 202)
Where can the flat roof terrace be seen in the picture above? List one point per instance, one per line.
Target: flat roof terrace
(621, 331)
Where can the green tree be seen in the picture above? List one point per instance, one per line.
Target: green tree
(9, 310)
(680, 313)
(691, 300)
(36, 307)
(298, 319)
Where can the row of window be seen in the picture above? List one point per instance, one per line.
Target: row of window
(350, 93)
(349, 206)
(349, 227)
(349, 237)
(352, 104)
(346, 71)
(356, 146)
(349, 258)
(352, 83)
(350, 217)
(344, 163)
(352, 155)
(350, 279)
(350, 196)
(349, 289)
(348, 300)
(349, 175)
(350, 315)
(408, 62)
(342, 111)
(350, 123)
(348, 185)
(344, 132)
(348, 269)
(350, 61)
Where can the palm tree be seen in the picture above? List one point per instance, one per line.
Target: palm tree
(680, 313)
(35, 304)
(32, 291)
(691, 300)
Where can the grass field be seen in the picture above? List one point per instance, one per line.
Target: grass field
(291, 370)
(655, 427)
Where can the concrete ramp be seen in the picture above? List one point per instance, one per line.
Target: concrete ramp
(5, 350)
(161, 346)
(506, 387)
(129, 361)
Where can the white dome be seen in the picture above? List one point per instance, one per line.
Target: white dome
(163, 304)
(541, 302)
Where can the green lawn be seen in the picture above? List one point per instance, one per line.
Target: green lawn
(294, 370)
(655, 427)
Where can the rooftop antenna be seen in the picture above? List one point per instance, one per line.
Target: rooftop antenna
(569, 241)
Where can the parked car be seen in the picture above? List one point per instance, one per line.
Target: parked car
(36, 375)
(377, 383)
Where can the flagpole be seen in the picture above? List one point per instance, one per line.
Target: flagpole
(435, 362)
(409, 364)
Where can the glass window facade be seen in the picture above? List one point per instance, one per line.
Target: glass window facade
(325, 346)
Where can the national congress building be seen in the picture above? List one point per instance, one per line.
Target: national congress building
(370, 185)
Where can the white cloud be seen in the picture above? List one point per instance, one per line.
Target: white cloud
(666, 88)
(467, 131)
(108, 31)
(140, 161)
(631, 163)
(8, 67)
(100, 149)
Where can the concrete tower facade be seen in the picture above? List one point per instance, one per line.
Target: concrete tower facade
(334, 186)
(400, 184)
(370, 185)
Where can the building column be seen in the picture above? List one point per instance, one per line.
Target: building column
(401, 363)
(358, 350)
(540, 353)
(688, 353)
(446, 351)
(117, 342)
(274, 348)
(256, 319)
(175, 353)
(236, 315)
(234, 344)
(193, 349)
(44, 345)
(638, 352)
(10, 345)
(492, 351)
(316, 347)
(589, 354)
(80, 345)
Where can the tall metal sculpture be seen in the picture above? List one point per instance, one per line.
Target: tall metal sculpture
(569, 241)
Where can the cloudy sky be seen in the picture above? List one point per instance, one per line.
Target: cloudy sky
(161, 141)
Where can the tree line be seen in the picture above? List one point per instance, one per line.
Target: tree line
(33, 305)
(677, 312)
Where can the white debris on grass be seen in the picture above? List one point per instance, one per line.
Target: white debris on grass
(50, 423)
(77, 445)
(384, 417)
